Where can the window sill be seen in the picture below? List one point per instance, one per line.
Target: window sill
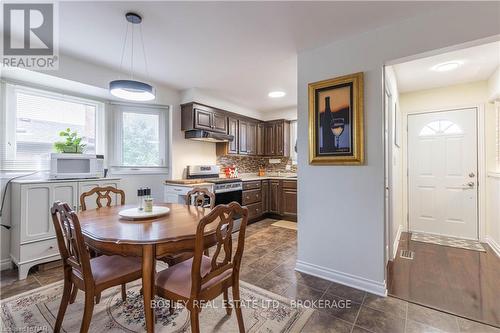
(138, 170)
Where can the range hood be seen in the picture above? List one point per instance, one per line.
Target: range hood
(201, 135)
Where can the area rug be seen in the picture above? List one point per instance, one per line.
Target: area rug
(36, 311)
(467, 244)
(285, 224)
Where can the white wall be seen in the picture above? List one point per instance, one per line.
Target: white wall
(201, 96)
(341, 208)
(285, 113)
(396, 216)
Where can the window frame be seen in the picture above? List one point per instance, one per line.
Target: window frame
(8, 122)
(116, 144)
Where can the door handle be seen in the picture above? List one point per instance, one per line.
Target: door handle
(468, 185)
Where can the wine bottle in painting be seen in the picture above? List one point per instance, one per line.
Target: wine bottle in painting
(328, 137)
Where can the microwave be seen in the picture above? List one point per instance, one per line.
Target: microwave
(74, 166)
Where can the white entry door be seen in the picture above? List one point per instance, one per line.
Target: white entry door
(442, 171)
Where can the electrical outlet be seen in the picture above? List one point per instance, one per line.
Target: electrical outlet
(288, 167)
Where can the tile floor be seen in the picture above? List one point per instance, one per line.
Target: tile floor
(268, 262)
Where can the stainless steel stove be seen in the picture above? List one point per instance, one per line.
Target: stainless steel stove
(226, 189)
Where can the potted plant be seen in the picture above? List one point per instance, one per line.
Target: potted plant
(72, 144)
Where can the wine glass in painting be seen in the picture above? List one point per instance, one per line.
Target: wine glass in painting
(337, 128)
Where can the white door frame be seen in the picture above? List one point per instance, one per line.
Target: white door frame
(481, 164)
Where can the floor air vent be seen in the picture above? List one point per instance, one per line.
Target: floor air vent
(407, 254)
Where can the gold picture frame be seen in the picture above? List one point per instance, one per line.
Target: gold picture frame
(336, 121)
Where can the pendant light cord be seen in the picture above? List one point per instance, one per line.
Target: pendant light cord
(123, 48)
(132, 55)
(144, 51)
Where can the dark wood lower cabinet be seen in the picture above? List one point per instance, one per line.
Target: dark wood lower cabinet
(289, 202)
(274, 198)
(265, 196)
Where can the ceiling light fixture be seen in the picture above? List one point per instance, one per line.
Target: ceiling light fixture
(447, 66)
(132, 90)
(276, 94)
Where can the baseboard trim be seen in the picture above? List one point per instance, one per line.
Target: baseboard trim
(494, 245)
(374, 287)
(5, 264)
(395, 245)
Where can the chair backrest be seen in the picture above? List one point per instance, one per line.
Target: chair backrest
(70, 239)
(222, 219)
(198, 195)
(102, 193)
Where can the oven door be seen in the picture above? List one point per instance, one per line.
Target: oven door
(228, 197)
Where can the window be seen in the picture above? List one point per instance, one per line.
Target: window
(140, 138)
(440, 127)
(33, 121)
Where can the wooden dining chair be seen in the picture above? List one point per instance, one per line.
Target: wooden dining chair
(81, 272)
(197, 197)
(103, 193)
(204, 278)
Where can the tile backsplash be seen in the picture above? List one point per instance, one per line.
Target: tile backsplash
(251, 164)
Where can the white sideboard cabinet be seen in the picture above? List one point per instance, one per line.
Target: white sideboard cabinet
(33, 238)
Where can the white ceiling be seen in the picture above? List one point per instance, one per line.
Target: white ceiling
(479, 63)
(239, 50)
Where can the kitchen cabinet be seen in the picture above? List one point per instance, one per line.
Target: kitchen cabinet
(33, 239)
(274, 197)
(261, 141)
(269, 147)
(251, 136)
(243, 137)
(199, 116)
(289, 197)
(265, 196)
(247, 137)
(232, 147)
(252, 198)
(277, 137)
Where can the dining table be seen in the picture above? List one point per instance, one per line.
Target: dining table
(106, 232)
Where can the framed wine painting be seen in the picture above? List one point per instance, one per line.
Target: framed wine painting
(336, 121)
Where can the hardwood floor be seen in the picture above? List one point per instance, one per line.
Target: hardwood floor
(458, 281)
(268, 262)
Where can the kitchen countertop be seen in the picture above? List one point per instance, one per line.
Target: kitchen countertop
(285, 176)
(242, 177)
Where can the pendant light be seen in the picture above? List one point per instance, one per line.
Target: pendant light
(132, 90)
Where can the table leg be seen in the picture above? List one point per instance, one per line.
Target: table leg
(148, 284)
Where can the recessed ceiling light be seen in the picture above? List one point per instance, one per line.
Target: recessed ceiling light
(447, 66)
(276, 94)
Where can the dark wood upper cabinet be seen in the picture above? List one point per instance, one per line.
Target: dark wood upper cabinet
(243, 137)
(261, 141)
(252, 138)
(199, 116)
(202, 119)
(232, 130)
(280, 138)
(219, 122)
(269, 138)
